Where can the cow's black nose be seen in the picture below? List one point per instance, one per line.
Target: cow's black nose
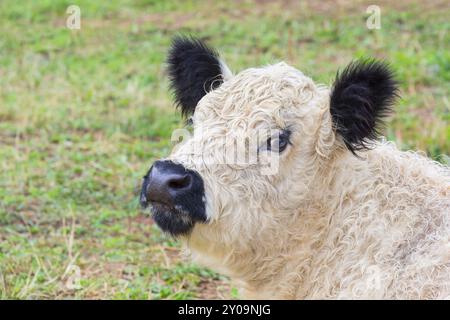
(176, 196)
(167, 183)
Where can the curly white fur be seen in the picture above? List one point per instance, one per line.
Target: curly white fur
(329, 224)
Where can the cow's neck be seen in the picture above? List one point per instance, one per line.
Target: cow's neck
(262, 270)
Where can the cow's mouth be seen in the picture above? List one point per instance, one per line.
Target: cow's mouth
(173, 220)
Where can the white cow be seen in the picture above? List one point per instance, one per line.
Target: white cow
(344, 216)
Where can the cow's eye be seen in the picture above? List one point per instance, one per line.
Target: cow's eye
(280, 142)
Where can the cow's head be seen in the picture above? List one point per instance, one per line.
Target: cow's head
(259, 141)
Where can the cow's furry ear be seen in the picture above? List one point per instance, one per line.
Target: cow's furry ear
(361, 97)
(194, 69)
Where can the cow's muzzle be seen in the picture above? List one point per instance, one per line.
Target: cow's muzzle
(176, 197)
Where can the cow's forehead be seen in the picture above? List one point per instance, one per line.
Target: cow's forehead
(254, 95)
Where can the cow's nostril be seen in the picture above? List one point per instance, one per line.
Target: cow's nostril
(179, 182)
(171, 184)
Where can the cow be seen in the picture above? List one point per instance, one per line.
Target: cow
(344, 215)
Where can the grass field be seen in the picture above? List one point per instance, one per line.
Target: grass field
(84, 113)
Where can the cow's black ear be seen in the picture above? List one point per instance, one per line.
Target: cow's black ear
(362, 96)
(194, 69)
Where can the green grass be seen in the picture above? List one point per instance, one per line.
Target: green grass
(84, 113)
